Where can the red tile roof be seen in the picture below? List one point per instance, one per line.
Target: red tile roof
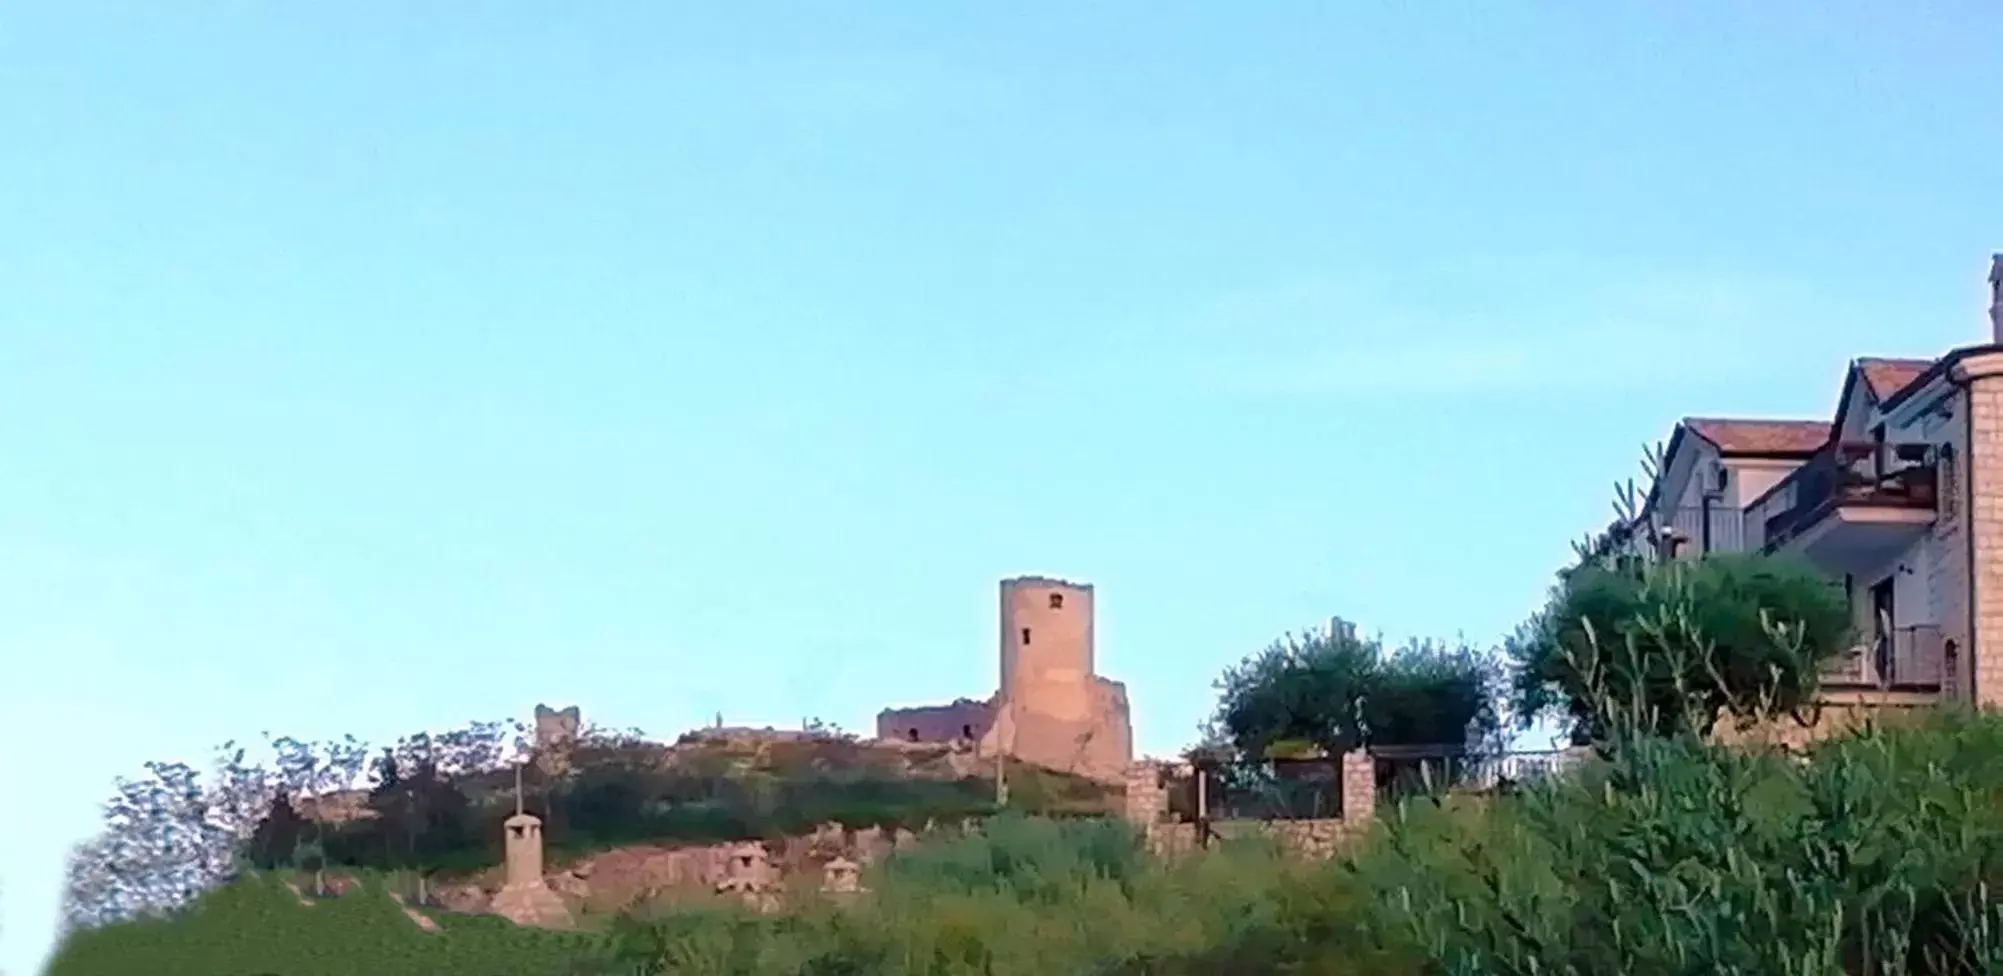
(1889, 376)
(1731, 436)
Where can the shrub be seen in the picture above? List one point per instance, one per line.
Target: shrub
(256, 927)
(1337, 691)
(1677, 856)
(1030, 897)
(1680, 643)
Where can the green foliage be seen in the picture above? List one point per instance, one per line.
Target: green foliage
(1875, 855)
(1028, 897)
(1677, 856)
(1337, 691)
(256, 926)
(1680, 642)
(1022, 897)
(629, 795)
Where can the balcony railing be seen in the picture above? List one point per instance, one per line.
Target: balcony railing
(1853, 473)
(1727, 528)
(1906, 659)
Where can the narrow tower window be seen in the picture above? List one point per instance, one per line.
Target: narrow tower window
(1025, 635)
(1056, 601)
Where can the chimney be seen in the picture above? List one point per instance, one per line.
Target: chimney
(1996, 298)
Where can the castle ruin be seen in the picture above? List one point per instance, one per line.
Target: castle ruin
(1051, 707)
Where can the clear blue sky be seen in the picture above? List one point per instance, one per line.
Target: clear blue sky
(366, 368)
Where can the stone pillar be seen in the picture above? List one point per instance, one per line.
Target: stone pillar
(1982, 376)
(523, 848)
(1359, 787)
(525, 898)
(747, 876)
(841, 876)
(1146, 797)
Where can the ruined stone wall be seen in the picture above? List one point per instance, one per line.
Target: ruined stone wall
(963, 720)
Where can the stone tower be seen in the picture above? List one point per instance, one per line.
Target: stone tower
(1052, 708)
(1046, 644)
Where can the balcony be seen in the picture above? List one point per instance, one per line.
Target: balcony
(1854, 505)
(1910, 659)
(1700, 530)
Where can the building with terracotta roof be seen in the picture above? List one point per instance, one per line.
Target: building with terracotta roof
(1898, 495)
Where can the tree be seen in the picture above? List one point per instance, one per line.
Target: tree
(275, 841)
(420, 815)
(1432, 693)
(159, 849)
(1337, 691)
(319, 770)
(1680, 644)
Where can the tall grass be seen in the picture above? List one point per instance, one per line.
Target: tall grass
(1875, 854)
(1031, 896)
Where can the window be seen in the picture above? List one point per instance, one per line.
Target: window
(914, 735)
(1056, 601)
(1025, 635)
(966, 731)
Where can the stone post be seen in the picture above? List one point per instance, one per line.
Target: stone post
(1359, 787)
(747, 876)
(525, 898)
(841, 876)
(1146, 798)
(523, 849)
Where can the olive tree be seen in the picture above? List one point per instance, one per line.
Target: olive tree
(1680, 644)
(1336, 691)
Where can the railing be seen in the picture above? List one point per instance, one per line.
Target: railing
(1404, 771)
(1853, 473)
(1727, 528)
(1907, 659)
(1278, 789)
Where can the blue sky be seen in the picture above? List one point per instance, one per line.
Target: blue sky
(374, 367)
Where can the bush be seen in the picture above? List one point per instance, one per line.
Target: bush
(1677, 856)
(1038, 897)
(257, 927)
(1337, 691)
(1680, 643)
(429, 824)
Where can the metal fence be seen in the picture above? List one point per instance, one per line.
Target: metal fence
(1418, 770)
(1281, 789)
(1311, 789)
